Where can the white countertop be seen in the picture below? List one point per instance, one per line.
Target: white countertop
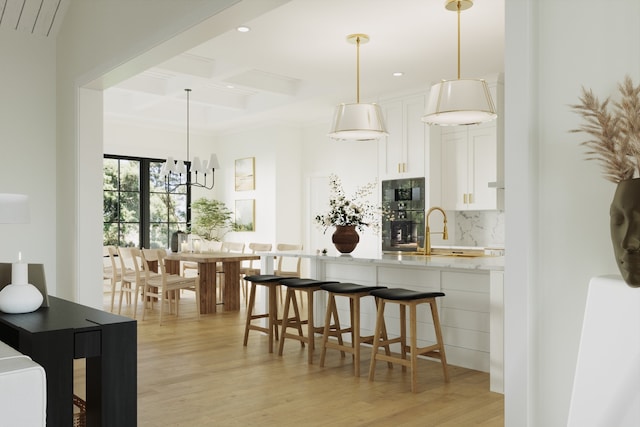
(454, 262)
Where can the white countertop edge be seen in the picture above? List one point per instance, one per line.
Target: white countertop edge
(452, 262)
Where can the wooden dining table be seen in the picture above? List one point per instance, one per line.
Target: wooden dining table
(207, 272)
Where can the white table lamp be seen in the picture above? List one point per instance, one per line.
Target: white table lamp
(19, 296)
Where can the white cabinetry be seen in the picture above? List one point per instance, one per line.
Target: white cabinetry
(402, 152)
(469, 165)
(466, 163)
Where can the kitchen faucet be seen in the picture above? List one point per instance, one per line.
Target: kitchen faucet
(427, 231)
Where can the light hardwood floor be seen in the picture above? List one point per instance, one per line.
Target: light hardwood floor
(198, 373)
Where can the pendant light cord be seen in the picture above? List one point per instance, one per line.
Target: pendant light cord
(187, 90)
(458, 6)
(358, 69)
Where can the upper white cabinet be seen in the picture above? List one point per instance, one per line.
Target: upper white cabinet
(469, 167)
(402, 152)
(467, 162)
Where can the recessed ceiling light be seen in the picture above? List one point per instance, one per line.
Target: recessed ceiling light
(398, 74)
(243, 29)
(231, 87)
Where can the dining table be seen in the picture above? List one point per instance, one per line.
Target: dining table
(207, 262)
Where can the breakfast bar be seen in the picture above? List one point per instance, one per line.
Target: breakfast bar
(471, 313)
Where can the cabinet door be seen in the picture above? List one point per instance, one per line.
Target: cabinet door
(391, 152)
(454, 169)
(402, 152)
(414, 131)
(482, 167)
(469, 156)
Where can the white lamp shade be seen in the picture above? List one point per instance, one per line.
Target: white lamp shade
(459, 102)
(358, 122)
(14, 208)
(213, 162)
(196, 165)
(181, 167)
(170, 165)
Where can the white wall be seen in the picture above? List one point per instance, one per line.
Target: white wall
(557, 203)
(276, 152)
(28, 144)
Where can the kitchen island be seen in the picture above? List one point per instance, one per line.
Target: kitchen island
(471, 313)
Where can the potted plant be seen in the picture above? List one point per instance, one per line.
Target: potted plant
(614, 140)
(211, 218)
(349, 214)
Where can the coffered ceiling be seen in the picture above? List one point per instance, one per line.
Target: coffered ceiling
(295, 64)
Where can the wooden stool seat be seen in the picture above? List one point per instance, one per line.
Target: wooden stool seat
(355, 293)
(407, 298)
(271, 282)
(308, 286)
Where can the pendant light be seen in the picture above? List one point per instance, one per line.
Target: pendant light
(357, 122)
(175, 172)
(462, 101)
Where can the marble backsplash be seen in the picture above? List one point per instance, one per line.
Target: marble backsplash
(479, 228)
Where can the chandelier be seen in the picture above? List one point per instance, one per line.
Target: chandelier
(175, 172)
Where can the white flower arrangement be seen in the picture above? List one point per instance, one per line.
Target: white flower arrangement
(355, 211)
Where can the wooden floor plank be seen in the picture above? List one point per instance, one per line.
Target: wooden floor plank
(197, 373)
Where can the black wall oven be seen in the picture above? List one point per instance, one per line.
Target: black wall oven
(403, 224)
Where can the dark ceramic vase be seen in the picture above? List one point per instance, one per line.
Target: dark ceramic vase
(625, 230)
(345, 238)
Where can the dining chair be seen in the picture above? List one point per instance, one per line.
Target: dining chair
(129, 279)
(207, 246)
(252, 267)
(288, 266)
(236, 247)
(166, 284)
(113, 273)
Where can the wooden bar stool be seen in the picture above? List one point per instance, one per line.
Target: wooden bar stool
(355, 293)
(407, 298)
(308, 286)
(271, 283)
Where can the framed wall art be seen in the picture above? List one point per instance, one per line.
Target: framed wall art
(245, 174)
(245, 215)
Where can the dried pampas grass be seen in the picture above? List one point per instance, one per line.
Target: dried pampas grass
(615, 134)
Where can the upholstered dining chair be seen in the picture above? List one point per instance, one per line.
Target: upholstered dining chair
(166, 284)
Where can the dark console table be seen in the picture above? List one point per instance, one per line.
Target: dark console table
(53, 336)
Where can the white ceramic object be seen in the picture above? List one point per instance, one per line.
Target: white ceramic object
(20, 298)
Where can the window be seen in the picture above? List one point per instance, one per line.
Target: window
(138, 209)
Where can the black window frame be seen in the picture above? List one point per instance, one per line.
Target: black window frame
(144, 223)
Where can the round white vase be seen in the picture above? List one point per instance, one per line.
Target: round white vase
(16, 299)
